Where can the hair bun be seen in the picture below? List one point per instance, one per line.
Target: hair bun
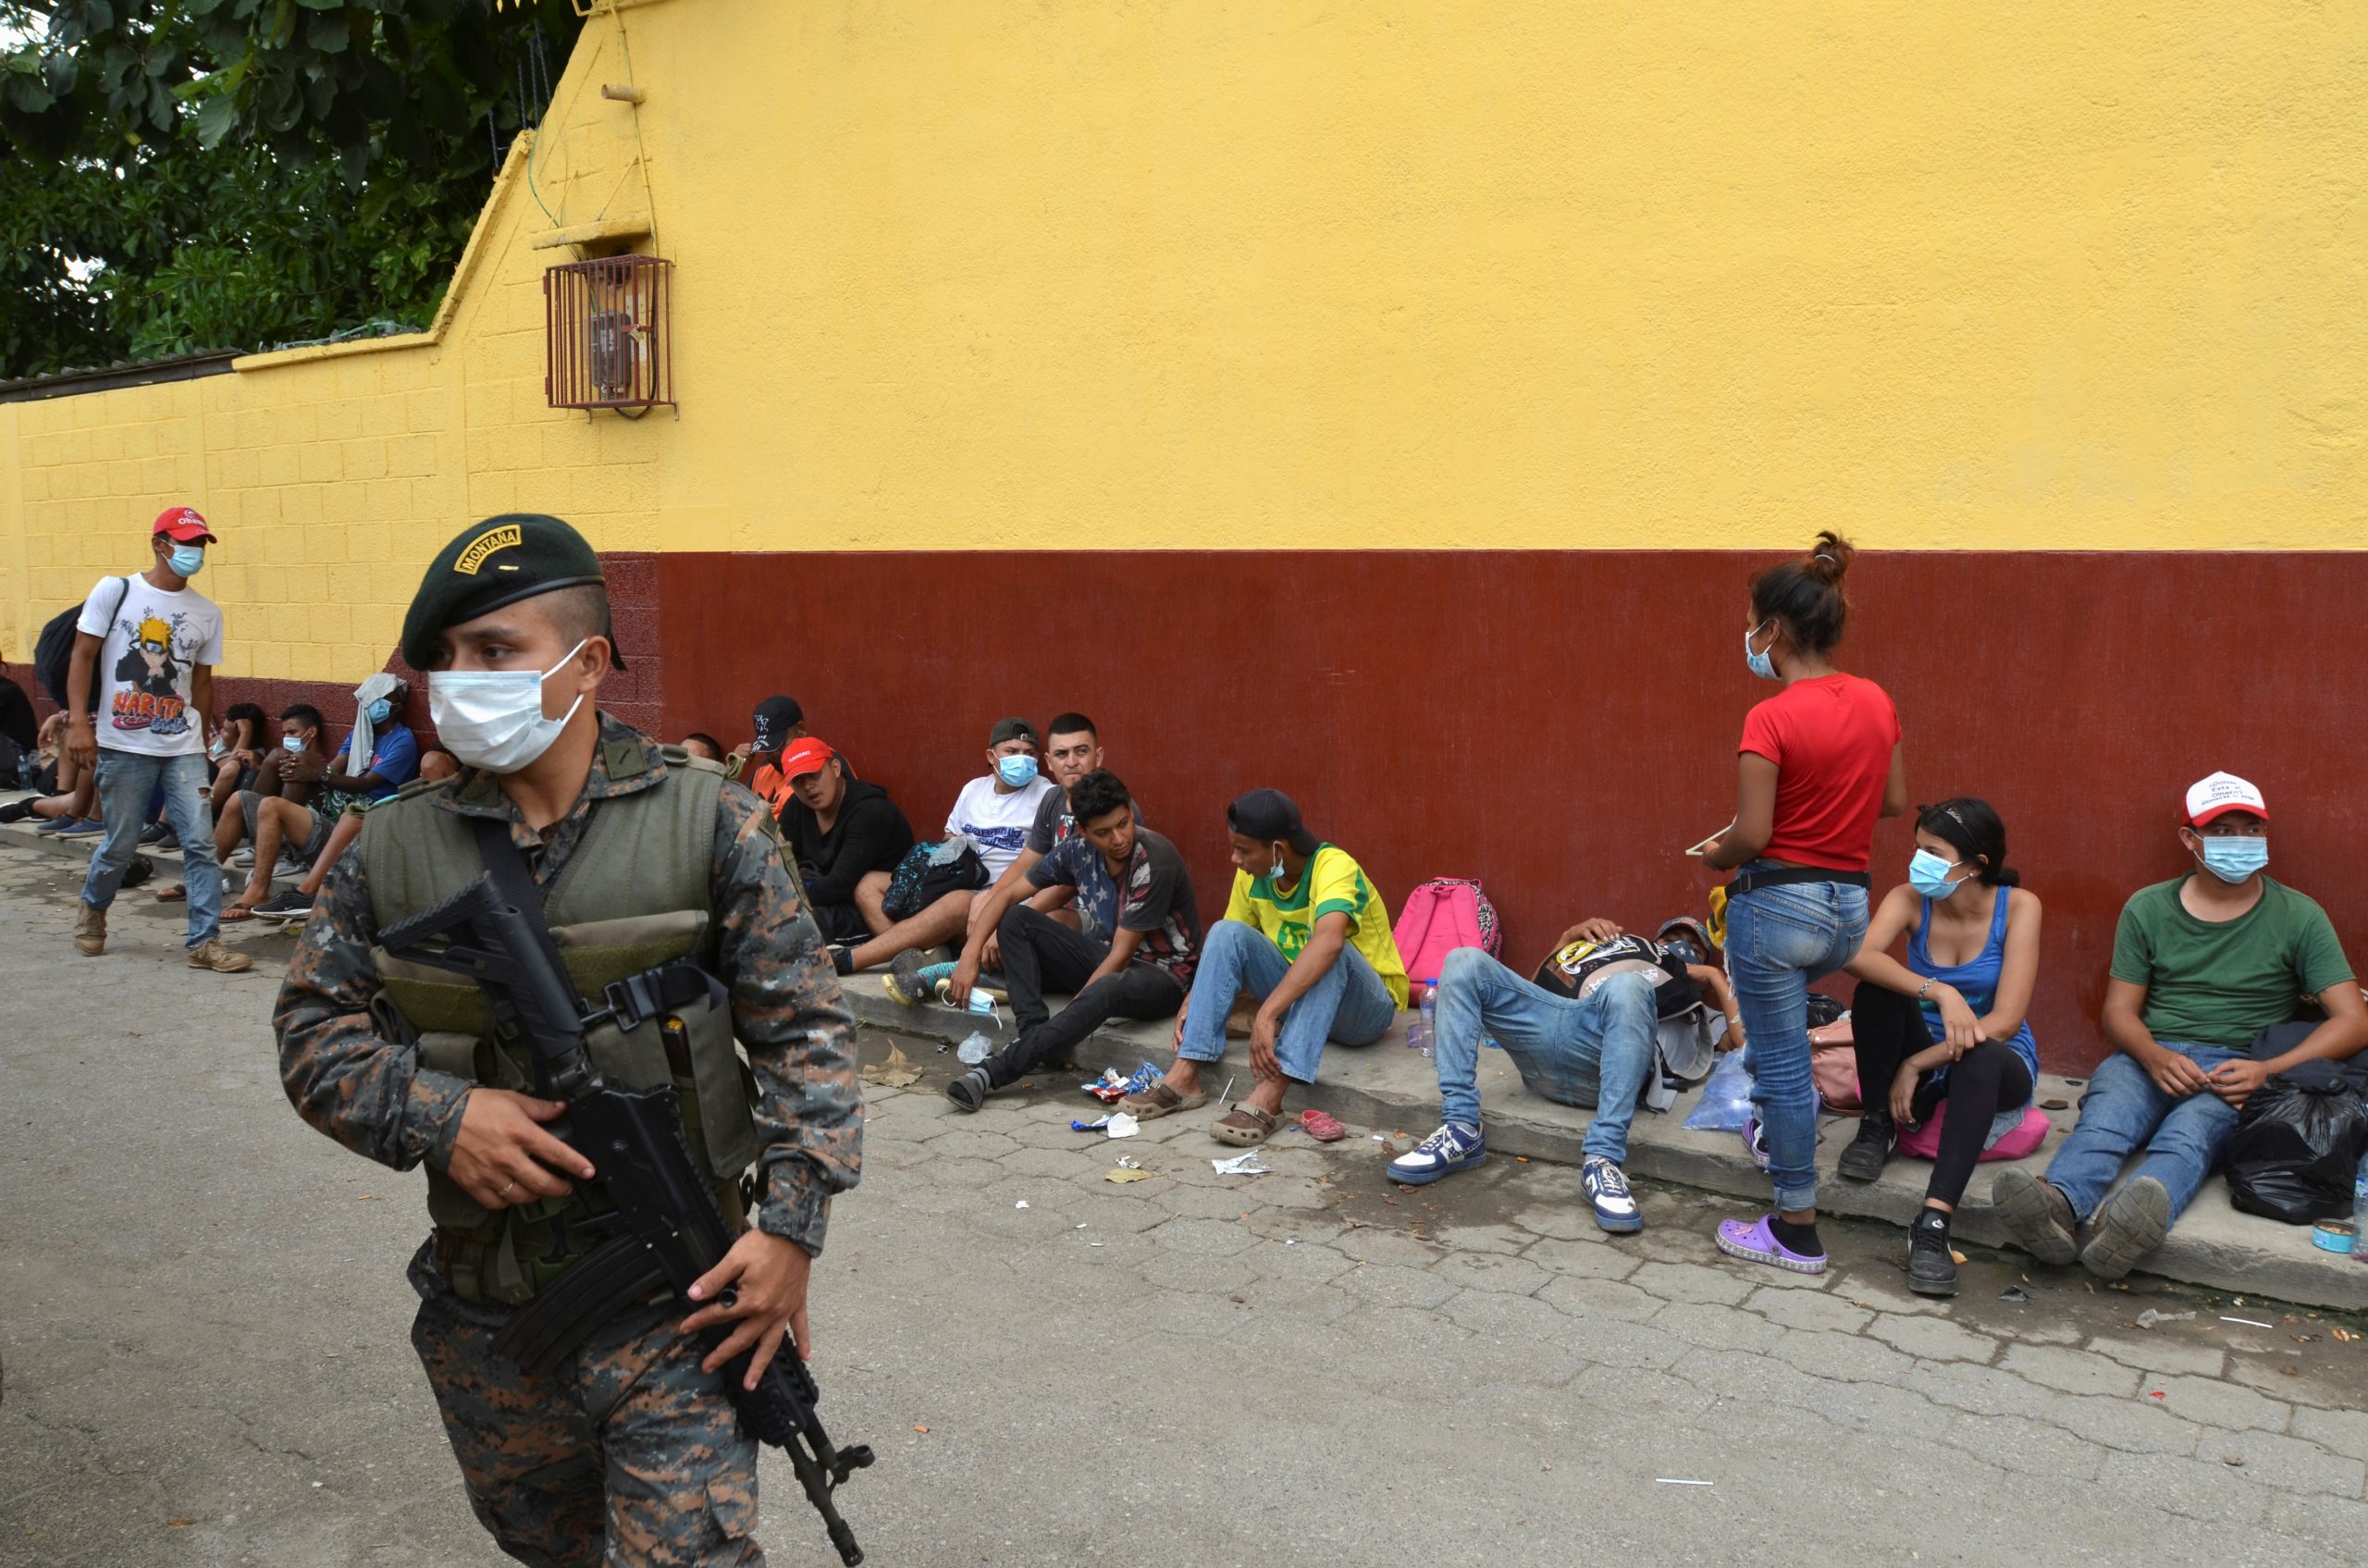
(1829, 557)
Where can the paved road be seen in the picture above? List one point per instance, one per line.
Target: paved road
(204, 1329)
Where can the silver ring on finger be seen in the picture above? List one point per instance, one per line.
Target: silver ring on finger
(506, 1187)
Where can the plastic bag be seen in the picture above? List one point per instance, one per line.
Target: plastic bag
(976, 1048)
(2295, 1149)
(1726, 1098)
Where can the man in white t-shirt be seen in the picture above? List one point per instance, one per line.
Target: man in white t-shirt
(142, 699)
(995, 811)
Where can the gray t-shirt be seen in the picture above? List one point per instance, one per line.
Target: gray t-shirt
(1156, 901)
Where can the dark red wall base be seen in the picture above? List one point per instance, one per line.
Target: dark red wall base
(1558, 724)
(1563, 724)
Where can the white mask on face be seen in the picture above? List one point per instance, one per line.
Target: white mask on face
(493, 719)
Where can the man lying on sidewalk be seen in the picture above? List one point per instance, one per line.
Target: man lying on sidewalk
(1305, 932)
(1141, 972)
(1596, 1048)
(2202, 964)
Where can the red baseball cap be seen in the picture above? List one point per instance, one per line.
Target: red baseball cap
(184, 523)
(2216, 794)
(807, 757)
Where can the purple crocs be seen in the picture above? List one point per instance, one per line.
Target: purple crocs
(1755, 1141)
(1757, 1241)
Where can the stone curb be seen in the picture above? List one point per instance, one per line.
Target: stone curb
(1386, 1085)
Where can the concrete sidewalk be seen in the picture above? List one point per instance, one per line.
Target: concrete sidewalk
(1384, 1085)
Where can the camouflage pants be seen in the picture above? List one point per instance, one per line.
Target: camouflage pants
(626, 1456)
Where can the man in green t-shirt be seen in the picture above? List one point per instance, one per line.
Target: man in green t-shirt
(2201, 966)
(1307, 933)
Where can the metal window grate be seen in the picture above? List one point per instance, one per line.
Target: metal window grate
(607, 333)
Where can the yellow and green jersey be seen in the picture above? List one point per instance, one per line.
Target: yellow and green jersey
(1332, 880)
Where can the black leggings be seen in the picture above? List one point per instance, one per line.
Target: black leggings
(1886, 1029)
(1040, 955)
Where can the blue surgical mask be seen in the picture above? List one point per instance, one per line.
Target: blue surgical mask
(1929, 874)
(2234, 860)
(1019, 771)
(186, 559)
(1762, 664)
(378, 711)
(294, 743)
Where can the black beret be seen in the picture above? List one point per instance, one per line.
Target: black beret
(489, 564)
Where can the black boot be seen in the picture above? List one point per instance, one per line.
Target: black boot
(1865, 1158)
(1931, 1267)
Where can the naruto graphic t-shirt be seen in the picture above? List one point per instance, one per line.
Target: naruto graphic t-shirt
(149, 652)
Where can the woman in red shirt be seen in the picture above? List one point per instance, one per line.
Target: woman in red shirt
(1820, 762)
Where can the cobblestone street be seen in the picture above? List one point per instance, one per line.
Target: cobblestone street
(205, 1334)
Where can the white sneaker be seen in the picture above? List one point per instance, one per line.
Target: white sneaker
(242, 855)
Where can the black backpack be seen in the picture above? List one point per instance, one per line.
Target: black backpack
(1577, 969)
(54, 654)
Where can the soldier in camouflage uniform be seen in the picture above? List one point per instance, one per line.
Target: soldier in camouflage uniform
(628, 1452)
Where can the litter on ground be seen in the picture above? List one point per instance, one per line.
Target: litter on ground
(1243, 1165)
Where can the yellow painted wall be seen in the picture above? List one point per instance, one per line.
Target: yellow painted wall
(1405, 274)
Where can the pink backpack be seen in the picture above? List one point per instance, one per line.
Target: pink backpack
(1924, 1142)
(1440, 915)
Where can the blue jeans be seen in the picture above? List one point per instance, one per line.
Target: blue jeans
(2124, 1110)
(1348, 1004)
(126, 780)
(1779, 939)
(1596, 1051)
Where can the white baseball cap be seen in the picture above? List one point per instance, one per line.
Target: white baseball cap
(2218, 794)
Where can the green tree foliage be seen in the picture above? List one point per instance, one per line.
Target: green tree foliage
(182, 175)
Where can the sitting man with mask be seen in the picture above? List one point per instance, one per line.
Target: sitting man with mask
(777, 725)
(2202, 965)
(994, 813)
(391, 760)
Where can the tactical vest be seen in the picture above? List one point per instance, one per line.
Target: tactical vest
(634, 894)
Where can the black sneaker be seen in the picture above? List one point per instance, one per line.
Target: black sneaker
(1931, 1267)
(294, 904)
(1865, 1158)
(155, 832)
(969, 1091)
(17, 810)
(842, 959)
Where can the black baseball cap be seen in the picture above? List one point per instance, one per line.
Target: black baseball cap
(498, 561)
(1014, 729)
(773, 719)
(1271, 817)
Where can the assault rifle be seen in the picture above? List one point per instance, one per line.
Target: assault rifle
(667, 1229)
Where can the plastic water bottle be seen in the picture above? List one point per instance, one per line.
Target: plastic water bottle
(2359, 1211)
(1430, 1016)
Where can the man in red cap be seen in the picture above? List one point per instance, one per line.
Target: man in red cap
(845, 835)
(2207, 967)
(141, 701)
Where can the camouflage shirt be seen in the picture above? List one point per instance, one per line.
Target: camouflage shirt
(373, 1095)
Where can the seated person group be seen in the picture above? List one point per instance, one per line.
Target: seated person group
(1050, 881)
(1047, 880)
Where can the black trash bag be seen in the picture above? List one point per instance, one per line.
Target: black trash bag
(2296, 1148)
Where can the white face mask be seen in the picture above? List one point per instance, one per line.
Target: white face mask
(493, 719)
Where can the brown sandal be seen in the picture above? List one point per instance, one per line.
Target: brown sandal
(1245, 1126)
(1159, 1100)
(172, 893)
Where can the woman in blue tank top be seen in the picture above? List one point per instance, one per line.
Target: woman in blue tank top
(1949, 1023)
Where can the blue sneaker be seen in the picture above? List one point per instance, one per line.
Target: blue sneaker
(1452, 1148)
(89, 827)
(1606, 1186)
(55, 825)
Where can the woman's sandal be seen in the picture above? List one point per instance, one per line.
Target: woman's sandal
(1245, 1126)
(1161, 1099)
